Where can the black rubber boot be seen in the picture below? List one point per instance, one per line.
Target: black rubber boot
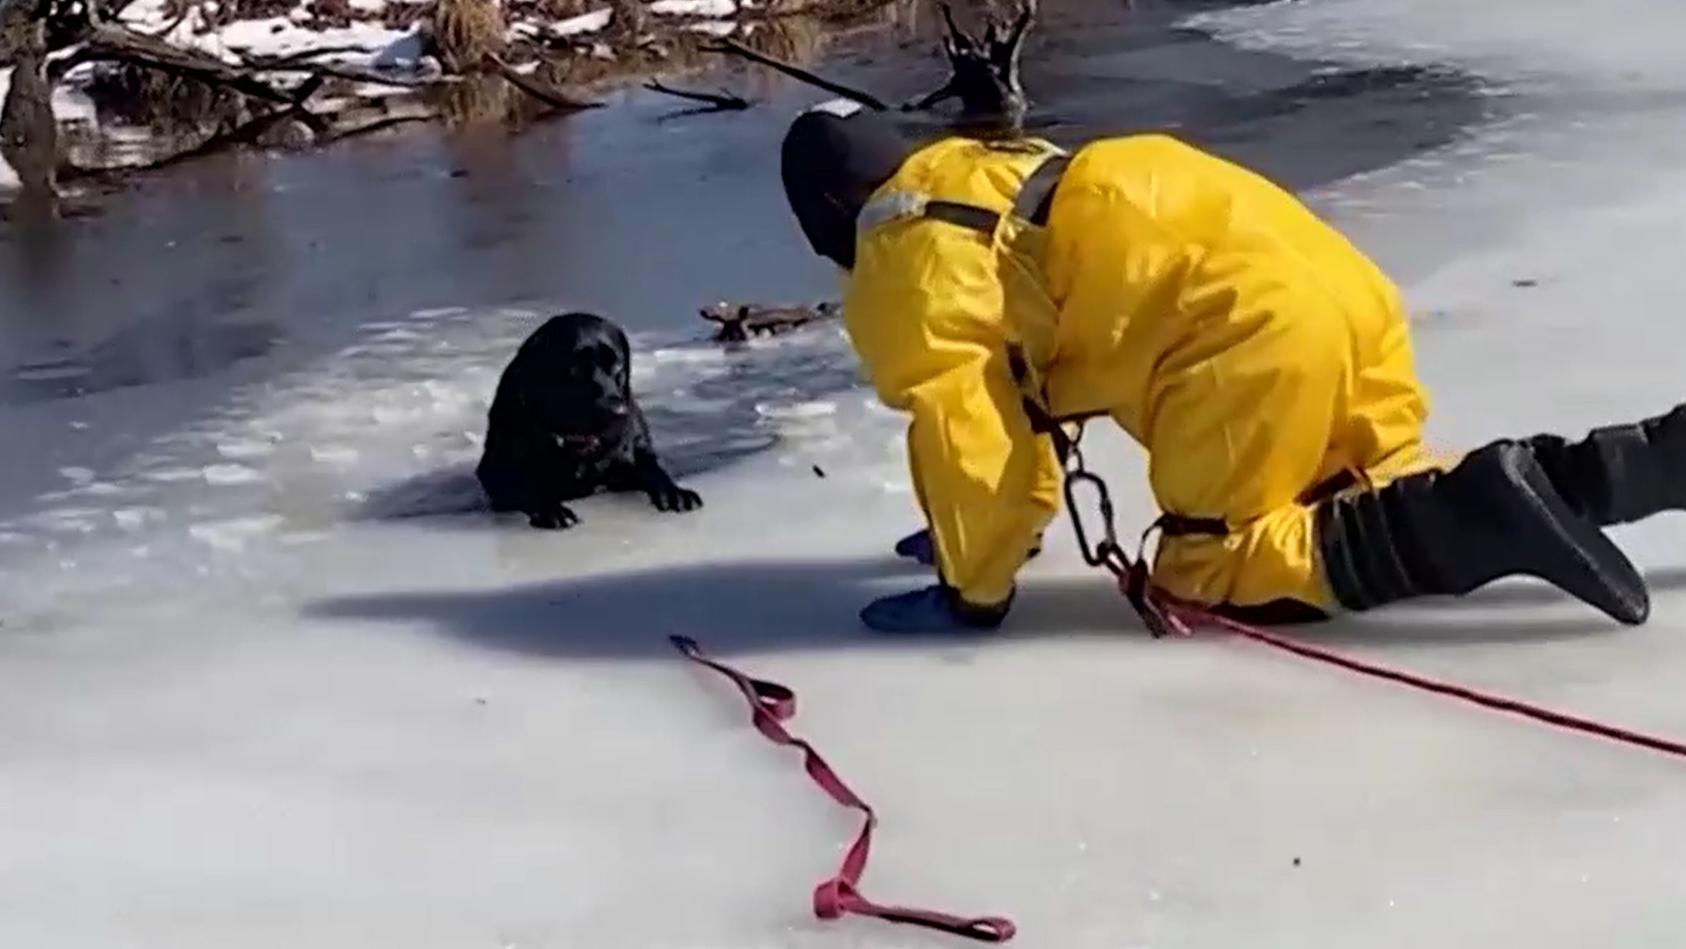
(1495, 515)
(1620, 473)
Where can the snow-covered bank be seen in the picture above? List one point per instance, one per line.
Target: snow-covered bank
(255, 718)
(387, 41)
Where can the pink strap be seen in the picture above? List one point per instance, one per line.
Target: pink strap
(771, 704)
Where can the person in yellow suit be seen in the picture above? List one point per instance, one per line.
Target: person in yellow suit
(1262, 360)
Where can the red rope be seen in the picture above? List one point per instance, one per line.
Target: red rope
(1194, 616)
(771, 704)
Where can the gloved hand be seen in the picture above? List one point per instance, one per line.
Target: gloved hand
(935, 609)
(918, 546)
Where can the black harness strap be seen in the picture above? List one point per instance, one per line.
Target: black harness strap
(970, 216)
(1035, 197)
(1178, 525)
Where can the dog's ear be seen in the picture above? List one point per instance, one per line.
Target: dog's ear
(625, 347)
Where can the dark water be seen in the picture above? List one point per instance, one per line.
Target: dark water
(240, 267)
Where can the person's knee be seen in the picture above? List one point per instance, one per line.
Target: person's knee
(1270, 559)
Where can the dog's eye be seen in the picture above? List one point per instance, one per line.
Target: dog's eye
(608, 358)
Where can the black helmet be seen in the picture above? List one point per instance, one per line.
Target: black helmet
(833, 158)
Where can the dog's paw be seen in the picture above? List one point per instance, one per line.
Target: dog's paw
(560, 517)
(674, 498)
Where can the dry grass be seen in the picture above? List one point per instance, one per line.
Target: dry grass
(330, 13)
(465, 32)
(164, 103)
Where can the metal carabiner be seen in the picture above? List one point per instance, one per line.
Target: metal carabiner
(1102, 553)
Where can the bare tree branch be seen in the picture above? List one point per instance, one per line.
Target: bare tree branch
(107, 42)
(57, 69)
(549, 95)
(243, 134)
(733, 48)
(355, 74)
(377, 125)
(722, 102)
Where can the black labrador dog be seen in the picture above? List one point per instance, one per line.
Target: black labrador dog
(563, 425)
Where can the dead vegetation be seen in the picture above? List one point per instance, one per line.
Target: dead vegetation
(168, 104)
(207, 104)
(466, 33)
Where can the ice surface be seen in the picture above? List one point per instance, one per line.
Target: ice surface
(1620, 43)
(264, 715)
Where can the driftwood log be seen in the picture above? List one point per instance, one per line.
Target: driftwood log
(738, 322)
(984, 72)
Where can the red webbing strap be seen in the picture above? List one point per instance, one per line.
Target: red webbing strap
(1191, 616)
(770, 704)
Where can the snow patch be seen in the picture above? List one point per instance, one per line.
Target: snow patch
(711, 28)
(593, 22)
(405, 52)
(700, 8)
(8, 174)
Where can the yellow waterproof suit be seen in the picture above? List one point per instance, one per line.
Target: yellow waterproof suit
(1246, 344)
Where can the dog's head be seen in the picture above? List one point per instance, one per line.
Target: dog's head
(577, 380)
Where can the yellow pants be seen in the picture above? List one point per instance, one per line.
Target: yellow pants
(1318, 394)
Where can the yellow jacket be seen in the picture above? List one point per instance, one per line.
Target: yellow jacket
(1248, 345)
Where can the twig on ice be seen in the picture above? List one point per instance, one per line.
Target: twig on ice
(722, 102)
(730, 47)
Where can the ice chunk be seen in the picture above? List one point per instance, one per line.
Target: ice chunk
(227, 475)
(333, 454)
(234, 533)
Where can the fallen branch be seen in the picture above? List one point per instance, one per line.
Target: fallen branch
(549, 95)
(731, 47)
(107, 42)
(825, 10)
(377, 125)
(985, 71)
(351, 73)
(722, 102)
(243, 134)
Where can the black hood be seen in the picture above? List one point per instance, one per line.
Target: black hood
(831, 165)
